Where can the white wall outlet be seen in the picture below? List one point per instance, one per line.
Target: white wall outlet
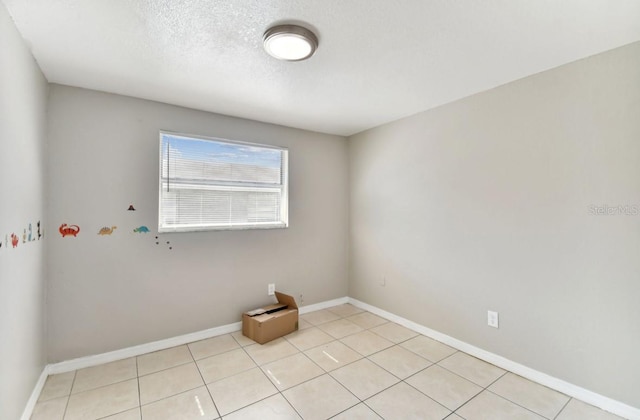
(492, 319)
(271, 289)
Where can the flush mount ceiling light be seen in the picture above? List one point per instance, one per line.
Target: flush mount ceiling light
(290, 42)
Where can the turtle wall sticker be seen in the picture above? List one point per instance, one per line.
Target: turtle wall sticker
(141, 229)
(66, 230)
(107, 230)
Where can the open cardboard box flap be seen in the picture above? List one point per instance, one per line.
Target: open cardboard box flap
(286, 299)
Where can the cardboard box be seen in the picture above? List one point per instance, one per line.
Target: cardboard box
(272, 321)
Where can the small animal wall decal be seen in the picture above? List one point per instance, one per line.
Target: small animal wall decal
(14, 240)
(39, 234)
(24, 236)
(131, 208)
(30, 237)
(107, 230)
(141, 229)
(66, 230)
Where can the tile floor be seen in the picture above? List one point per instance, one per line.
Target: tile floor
(343, 363)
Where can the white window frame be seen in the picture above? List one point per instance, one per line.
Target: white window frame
(283, 189)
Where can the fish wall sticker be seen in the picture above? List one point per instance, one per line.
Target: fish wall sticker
(66, 230)
(107, 231)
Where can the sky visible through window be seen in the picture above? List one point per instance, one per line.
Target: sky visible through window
(207, 150)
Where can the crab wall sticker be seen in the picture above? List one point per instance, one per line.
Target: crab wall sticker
(66, 230)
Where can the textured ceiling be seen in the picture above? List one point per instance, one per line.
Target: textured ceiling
(378, 60)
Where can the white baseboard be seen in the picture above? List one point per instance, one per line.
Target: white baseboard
(590, 397)
(605, 403)
(112, 356)
(323, 305)
(35, 394)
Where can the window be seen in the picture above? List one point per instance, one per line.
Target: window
(210, 184)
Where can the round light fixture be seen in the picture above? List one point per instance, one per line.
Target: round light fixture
(290, 42)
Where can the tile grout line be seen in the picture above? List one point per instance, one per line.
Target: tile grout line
(139, 392)
(66, 407)
(563, 407)
(195, 362)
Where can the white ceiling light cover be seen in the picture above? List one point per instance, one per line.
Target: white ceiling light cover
(290, 42)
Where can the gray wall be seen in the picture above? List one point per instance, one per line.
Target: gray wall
(23, 92)
(111, 292)
(484, 204)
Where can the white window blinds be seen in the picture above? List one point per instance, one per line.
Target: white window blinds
(219, 184)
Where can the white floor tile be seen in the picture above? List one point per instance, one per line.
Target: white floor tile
(163, 359)
(238, 391)
(291, 371)
(166, 383)
(195, 404)
(489, 406)
(404, 402)
(103, 401)
(531, 395)
(320, 398)
(364, 378)
(333, 355)
(223, 365)
(272, 408)
(57, 386)
(106, 374)
(447, 388)
(475, 370)
(399, 361)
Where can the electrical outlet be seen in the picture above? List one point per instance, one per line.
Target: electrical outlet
(492, 319)
(271, 289)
